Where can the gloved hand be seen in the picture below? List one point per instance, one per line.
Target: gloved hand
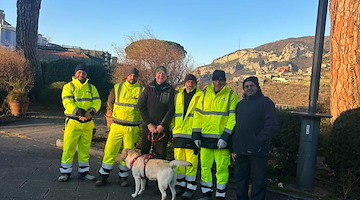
(197, 143)
(221, 144)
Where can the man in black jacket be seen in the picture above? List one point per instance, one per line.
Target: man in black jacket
(256, 122)
(157, 110)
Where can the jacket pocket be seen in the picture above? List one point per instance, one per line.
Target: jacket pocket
(164, 97)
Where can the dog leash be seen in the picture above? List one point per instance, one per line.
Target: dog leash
(154, 138)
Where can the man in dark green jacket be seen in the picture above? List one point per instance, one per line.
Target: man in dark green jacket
(157, 110)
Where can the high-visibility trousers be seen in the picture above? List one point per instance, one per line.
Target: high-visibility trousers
(119, 137)
(186, 176)
(222, 161)
(78, 135)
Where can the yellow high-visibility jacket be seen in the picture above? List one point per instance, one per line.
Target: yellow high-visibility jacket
(76, 95)
(126, 109)
(214, 116)
(182, 122)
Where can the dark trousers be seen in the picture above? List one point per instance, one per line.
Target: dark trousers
(159, 147)
(254, 168)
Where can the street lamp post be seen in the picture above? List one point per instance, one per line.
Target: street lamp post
(310, 120)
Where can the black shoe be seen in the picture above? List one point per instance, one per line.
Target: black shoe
(86, 176)
(220, 198)
(124, 181)
(188, 194)
(101, 180)
(179, 190)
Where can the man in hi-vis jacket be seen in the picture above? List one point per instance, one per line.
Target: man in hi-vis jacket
(81, 101)
(124, 132)
(184, 147)
(214, 121)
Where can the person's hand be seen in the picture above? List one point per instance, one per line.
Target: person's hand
(88, 115)
(160, 128)
(197, 143)
(152, 128)
(221, 144)
(82, 118)
(233, 156)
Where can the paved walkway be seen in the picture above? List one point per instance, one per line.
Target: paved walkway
(29, 165)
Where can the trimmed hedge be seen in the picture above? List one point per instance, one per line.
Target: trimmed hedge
(285, 145)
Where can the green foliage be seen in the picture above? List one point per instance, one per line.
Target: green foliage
(51, 95)
(343, 151)
(63, 70)
(59, 70)
(284, 145)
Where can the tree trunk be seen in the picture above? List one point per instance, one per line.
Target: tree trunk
(345, 56)
(27, 36)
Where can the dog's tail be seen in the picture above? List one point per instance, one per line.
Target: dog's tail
(179, 163)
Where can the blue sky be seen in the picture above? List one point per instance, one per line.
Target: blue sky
(207, 29)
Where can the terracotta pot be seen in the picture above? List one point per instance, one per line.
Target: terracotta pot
(18, 108)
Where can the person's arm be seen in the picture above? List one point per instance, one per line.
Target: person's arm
(270, 122)
(230, 125)
(110, 101)
(197, 122)
(144, 107)
(68, 100)
(165, 122)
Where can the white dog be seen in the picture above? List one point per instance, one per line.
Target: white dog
(154, 169)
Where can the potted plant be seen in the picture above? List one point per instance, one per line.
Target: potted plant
(17, 78)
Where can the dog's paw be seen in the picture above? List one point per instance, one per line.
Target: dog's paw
(134, 195)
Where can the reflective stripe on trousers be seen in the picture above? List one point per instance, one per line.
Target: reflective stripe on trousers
(119, 137)
(187, 175)
(76, 135)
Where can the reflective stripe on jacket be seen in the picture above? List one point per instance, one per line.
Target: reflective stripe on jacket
(76, 95)
(214, 117)
(182, 126)
(126, 108)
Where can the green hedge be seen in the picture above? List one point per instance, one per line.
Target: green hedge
(285, 145)
(63, 70)
(51, 95)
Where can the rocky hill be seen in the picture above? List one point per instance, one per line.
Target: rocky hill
(293, 54)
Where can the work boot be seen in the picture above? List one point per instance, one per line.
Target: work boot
(86, 176)
(206, 196)
(124, 181)
(188, 194)
(101, 180)
(64, 177)
(179, 190)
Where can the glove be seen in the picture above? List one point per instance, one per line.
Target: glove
(197, 143)
(221, 144)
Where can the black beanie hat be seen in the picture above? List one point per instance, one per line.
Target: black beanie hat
(253, 79)
(81, 66)
(190, 77)
(132, 71)
(218, 75)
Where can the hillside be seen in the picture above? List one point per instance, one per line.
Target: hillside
(294, 54)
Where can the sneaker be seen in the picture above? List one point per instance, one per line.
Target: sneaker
(87, 177)
(124, 181)
(101, 180)
(188, 194)
(64, 177)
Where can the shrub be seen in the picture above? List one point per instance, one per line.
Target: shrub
(63, 70)
(51, 95)
(284, 145)
(343, 149)
(16, 75)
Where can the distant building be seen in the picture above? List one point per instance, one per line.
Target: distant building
(7, 33)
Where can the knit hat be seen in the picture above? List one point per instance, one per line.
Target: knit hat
(253, 79)
(219, 75)
(161, 68)
(81, 66)
(132, 71)
(190, 77)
